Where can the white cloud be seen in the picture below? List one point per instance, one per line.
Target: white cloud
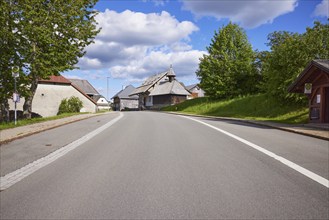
(322, 9)
(134, 45)
(157, 2)
(249, 14)
(184, 63)
(68, 76)
(90, 62)
(136, 28)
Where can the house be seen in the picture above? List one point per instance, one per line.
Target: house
(195, 91)
(102, 102)
(51, 92)
(87, 88)
(122, 100)
(314, 82)
(161, 90)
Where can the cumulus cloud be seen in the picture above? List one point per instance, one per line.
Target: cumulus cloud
(136, 28)
(322, 9)
(249, 14)
(185, 63)
(134, 45)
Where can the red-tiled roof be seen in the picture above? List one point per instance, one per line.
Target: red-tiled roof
(56, 79)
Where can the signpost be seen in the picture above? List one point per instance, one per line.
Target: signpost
(15, 74)
(308, 88)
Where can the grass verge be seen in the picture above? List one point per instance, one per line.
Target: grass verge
(255, 107)
(35, 120)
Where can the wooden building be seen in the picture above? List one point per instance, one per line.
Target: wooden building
(314, 82)
(161, 90)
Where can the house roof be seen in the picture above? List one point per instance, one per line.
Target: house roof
(159, 84)
(320, 64)
(148, 83)
(190, 87)
(55, 80)
(97, 97)
(166, 87)
(85, 86)
(124, 93)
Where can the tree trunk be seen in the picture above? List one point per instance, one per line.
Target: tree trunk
(27, 107)
(4, 111)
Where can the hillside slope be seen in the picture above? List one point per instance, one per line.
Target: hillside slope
(257, 107)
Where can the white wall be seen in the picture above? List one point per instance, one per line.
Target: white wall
(128, 103)
(48, 97)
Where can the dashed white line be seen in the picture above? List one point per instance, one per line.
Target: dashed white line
(17, 175)
(286, 162)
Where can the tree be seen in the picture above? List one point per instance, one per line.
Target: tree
(290, 53)
(229, 70)
(73, 104)
(50, 36)
(7, 41)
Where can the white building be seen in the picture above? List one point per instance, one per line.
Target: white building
(51, 92)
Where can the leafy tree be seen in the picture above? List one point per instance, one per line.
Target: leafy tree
(230, 69)
(289, 55)
(73, 104)
(49, 37)
(8, 56)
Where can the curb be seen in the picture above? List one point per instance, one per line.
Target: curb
(258, 123)
(46, 129)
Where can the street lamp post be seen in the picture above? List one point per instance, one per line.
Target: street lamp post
(107, 91)
(107, 87)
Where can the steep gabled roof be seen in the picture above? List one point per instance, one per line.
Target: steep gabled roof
(307, 72)
(166, 87)
(148, 83)
(124, 93)
(85, 86)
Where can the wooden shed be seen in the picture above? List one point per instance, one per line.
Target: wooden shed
(314, 82)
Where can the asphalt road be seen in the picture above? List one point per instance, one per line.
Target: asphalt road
(152, 165)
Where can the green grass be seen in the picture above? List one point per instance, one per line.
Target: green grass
(255, 107)
(35, 120)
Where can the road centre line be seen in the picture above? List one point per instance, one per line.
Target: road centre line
(286, 162)
(17, 175)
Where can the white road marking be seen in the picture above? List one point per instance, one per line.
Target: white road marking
(17, 175)
(286, 162)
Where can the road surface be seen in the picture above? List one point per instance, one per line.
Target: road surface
(150, 165)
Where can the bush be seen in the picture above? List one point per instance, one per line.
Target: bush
(73, 104)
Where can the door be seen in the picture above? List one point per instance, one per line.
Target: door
(326, 105)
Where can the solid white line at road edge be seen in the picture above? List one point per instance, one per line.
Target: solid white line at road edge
(16, 176)
(286, 162)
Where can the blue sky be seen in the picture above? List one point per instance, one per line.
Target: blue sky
(140, 38)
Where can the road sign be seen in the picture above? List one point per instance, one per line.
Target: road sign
(308, 88)
(15, 71)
